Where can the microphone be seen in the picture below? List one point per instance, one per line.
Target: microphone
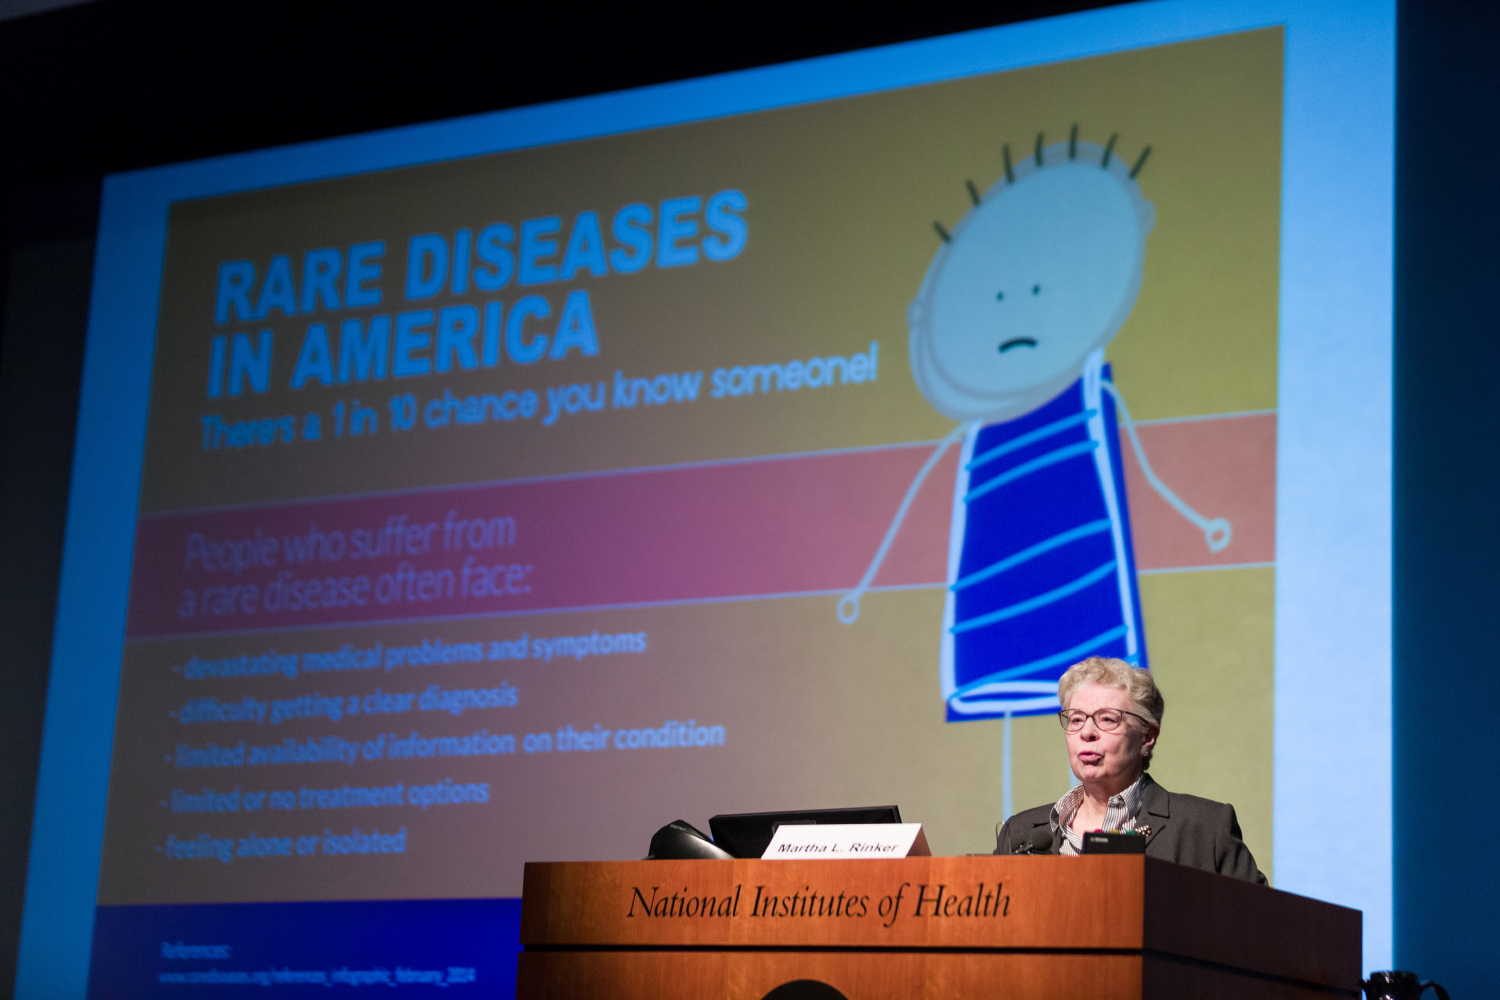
(1041, 842)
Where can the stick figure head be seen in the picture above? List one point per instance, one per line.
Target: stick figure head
(1041, 271)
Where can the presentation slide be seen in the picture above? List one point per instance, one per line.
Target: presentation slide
(501, 490)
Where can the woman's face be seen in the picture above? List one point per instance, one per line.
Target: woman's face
(1112, 760)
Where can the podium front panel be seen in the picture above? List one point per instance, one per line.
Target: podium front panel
(1105, 926)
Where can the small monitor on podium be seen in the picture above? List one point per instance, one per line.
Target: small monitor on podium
(746, 835)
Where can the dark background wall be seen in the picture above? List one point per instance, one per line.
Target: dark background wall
(110, 86)
(1446, 690)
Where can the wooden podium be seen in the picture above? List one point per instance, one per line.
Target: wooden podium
(1093, 927)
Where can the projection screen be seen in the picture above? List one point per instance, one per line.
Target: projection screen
(500, 489)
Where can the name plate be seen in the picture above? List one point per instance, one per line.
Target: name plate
(847, 840)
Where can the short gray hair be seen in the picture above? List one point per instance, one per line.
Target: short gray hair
(1137, 683)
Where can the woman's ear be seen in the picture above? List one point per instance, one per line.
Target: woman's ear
(1148, 742)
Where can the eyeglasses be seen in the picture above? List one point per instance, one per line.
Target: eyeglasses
(1107, 719)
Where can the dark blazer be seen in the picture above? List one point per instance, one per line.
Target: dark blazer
(1185, 829)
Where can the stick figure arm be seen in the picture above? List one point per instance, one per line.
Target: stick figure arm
(848, 609)
(1216, 531)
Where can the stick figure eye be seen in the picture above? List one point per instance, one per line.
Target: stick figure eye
(999, 296)
(1036, 289)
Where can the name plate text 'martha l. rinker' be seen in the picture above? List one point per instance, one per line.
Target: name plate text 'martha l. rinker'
(847, 841)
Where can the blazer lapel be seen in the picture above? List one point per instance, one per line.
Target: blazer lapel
(1156, 808)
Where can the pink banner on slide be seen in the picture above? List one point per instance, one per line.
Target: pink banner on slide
(713, 531)
(1220, 467)
(716, 531)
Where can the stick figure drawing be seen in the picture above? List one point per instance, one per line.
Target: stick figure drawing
(1008, 334)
